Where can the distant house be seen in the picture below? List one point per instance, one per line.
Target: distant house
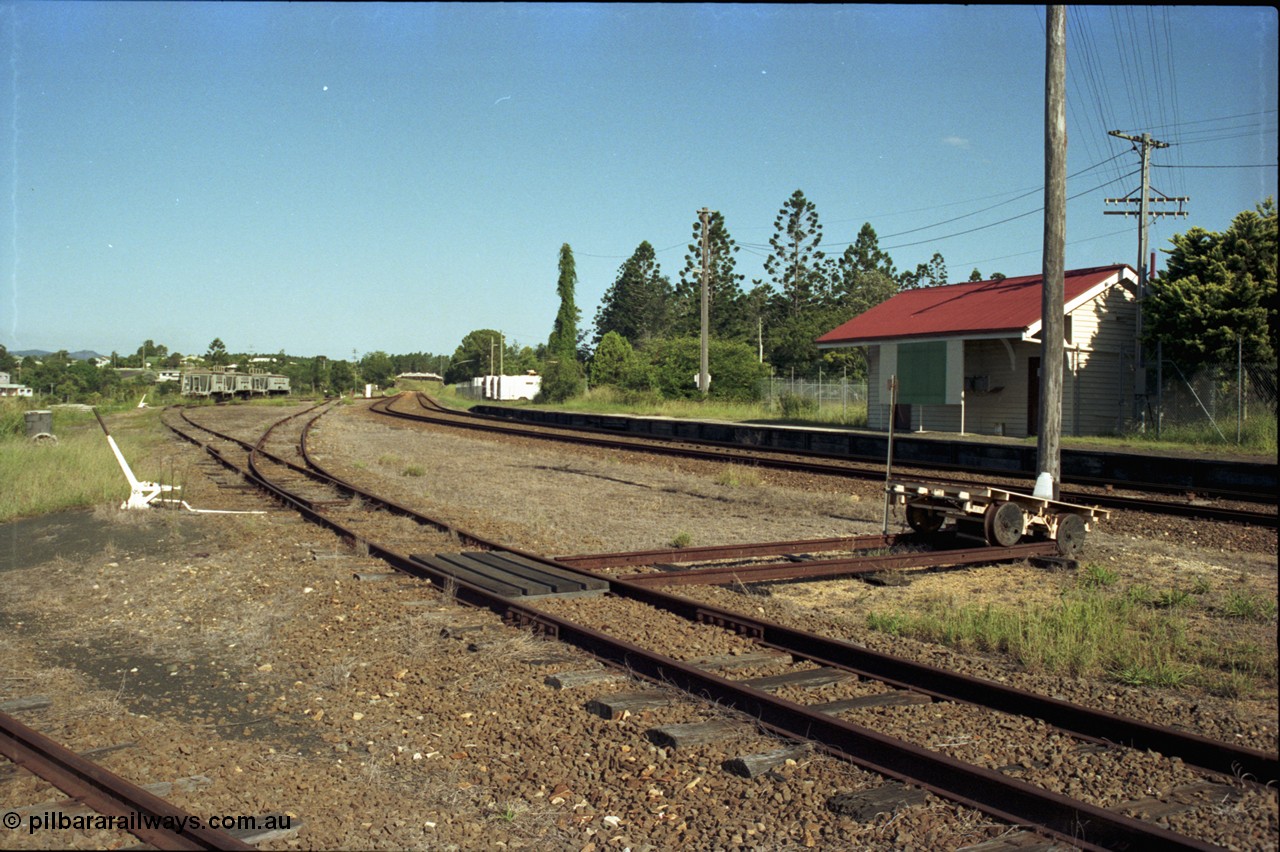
(8, 388)
(967, 356)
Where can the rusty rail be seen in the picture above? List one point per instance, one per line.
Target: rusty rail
(1081, 824)
(802, 461)
(809, 570)
(144, 815)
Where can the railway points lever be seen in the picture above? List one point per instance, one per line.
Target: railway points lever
(141, 494)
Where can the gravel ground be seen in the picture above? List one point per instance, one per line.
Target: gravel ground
(239, 647)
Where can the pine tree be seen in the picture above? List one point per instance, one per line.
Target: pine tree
(796, 262)
(564, 334)
(931, 274)
(636, 304)
(728, 320)
(863, 276)
(217, 354)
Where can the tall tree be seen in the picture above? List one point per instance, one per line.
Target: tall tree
(795, 265)
(217, 355)
(860, 285)
(151, 351)
(342, 377)
(1218, 292)
(377, 368)
(862, 278)
(728, 320)
(636, 304)
(476, 355)
(931, 274)
(867, 256)
(564, 334)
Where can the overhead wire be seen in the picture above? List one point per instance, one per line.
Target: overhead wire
(1084, 73)
(1011, 218)
(1025, 194)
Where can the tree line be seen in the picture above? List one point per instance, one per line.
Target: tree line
(646, 327)
(1215, 300)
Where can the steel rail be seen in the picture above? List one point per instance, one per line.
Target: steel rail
(1083, 722)
(809, 570)
(1079, 721)
(597, 561)
(1083, 825)
(144, 815)
(1006, 798)
(1248, 496)
(777, 459)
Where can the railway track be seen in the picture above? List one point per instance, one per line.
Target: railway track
(421, 407)
(768, 694)
(146, 816)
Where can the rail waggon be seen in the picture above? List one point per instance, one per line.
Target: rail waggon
(223, 385)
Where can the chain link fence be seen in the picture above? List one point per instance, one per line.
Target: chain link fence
(1230, 403)
(839, 399)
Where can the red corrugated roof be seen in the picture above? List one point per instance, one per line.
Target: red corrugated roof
(979, 307)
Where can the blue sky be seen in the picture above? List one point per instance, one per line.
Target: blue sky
(335, 178)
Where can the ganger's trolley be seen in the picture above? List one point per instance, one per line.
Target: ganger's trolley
(994, 515)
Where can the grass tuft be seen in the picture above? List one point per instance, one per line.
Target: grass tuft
(1249, 606)
(1131, 635)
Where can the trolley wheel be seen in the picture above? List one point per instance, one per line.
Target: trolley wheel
(922, 520)
(1071, 533)
(1003, 523)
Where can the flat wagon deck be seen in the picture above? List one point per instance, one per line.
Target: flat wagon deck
(995, 515)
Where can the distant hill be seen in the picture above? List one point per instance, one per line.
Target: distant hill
(82, 355)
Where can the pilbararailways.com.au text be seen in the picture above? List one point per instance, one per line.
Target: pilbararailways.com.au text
(59, 821)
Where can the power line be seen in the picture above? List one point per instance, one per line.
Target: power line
(1011, 218)
(1025, 194)
(1038, 251)
(1218, 118)
(625, 256)
(1259, 166)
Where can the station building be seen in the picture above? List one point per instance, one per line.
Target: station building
(967, 356)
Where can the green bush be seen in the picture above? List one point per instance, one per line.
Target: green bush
(796, 407)
(617, 364)
(735, 370)
(562, 380)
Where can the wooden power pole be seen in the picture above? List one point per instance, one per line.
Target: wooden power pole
(1048, 458)
(1145, 213)
(704, 364)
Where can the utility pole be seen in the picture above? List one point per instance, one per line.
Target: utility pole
(1143, 144)
(704, 376)
(1048, 458)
